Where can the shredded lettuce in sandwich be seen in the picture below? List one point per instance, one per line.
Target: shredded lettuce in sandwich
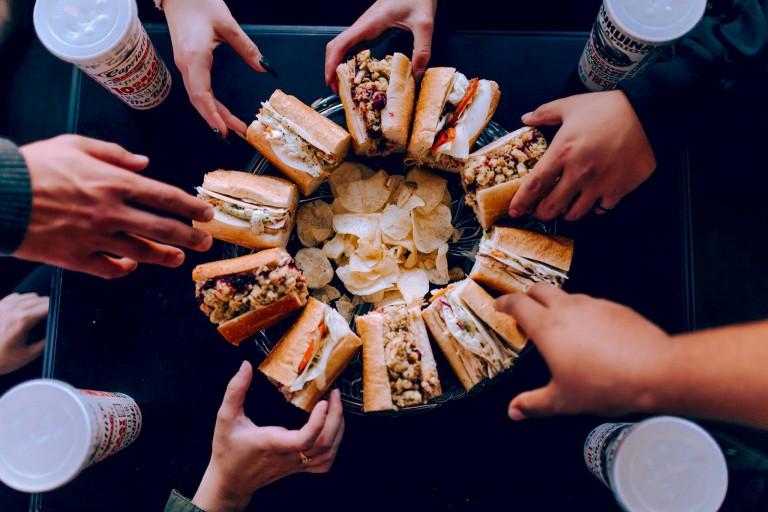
(258, 216)
(335, 329)
(534, 270)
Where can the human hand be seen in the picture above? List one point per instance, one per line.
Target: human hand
(197, 27)
(599, 155)
(87, 210)
(19, 314)
(246, 456)
(415, 16)
(603, 357)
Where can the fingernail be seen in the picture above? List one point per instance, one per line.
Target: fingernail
(526, 117)
(516, 414)
(513, 212)
(208, 214)
(178, 259)
(269, 68)
(242, 366)
(142, 157)
(219, 136)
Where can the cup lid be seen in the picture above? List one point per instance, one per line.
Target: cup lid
(669, 464)
(656, 21)
(45, 435)
(80, 30)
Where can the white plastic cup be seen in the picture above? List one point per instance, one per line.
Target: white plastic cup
(50, 432)
(663, 464)
(628, 35)
(106, 40)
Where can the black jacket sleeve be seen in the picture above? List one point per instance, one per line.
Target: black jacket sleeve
(15, 197)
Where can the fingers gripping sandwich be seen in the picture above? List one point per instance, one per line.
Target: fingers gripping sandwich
(311, 355)
(399, 369)
(253, 211)
(246, 294)
(451, 113)
(302, 143)
(510, 259)
(378, 96)
(478, 341)
(493, 174)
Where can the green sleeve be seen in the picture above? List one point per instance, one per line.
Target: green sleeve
(15, 197)
(178, 503)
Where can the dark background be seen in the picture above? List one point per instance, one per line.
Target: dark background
(685, 250)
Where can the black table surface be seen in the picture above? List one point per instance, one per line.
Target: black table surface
(143, 335)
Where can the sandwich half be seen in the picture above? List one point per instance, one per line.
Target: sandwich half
(493, 174)
(302, 143)
(250, 293)
(378, 96)
(311, 355)
(511, 259)
(451, 113)
(250, 210)
(479, 342)
(399, 369)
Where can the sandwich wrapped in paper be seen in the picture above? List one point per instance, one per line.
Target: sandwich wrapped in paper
(250, 293)
(511, 259)
(493, 174)
(451, 113)
(311, 355)
(399, 369)
(478, 341)
(250, 210)
(302, 143)
(378, 96)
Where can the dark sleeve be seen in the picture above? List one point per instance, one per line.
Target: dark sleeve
(15, 197)
(178, 503)
(688, 84)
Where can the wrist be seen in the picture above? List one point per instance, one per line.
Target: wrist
(213, 495)
(656, 377)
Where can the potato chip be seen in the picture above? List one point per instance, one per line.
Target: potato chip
(446, 198)
(413, 285)
(395, 222)
(403, 193)
(432, 229)
(326, 294)
(345, 307)
(388, 298)
(314, 223)
(364, 196)
(456, 274)
(394, 184)
(380, 276)
(346, 173)
(315, 266)
(334, 248)
(373, 298)
(429, 187)
(359, 225)
(456, 235)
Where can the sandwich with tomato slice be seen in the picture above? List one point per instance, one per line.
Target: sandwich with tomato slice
(451, 113)
(311, 355)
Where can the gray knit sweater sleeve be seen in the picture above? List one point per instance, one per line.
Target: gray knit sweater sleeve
(15, 197)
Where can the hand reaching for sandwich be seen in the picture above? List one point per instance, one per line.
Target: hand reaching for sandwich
(246, 457)
(197, 27)
(599, 155)
(415, 16)
(19, 314)
(603, 357)
(88, 210)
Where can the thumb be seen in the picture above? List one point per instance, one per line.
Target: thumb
(531, 404)
(422, 48)
(234, 397)
(547, 114)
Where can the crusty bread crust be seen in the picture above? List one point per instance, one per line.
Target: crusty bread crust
(377, 395)
(248, 324)
(396, 116)
(491, 273)
(311, 125)
(345, 74)
(428, 363)
(434, 88)
(556, 251)
(501, 141)
(481, 302)
(466, 365)
(242, 264)
(493, 202)
(244, 236)
(307, 184)
(266, 190)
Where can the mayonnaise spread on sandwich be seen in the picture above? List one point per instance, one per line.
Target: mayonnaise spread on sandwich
(244, 212)
(533, 270)
(472, 119)
(325, 343)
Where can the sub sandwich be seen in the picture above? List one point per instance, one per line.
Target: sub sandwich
(478, 341)
(254, 211)
(378, 96)
(451, 113)
(399, 369)
(493, 174)
(311, 355)
(302, 143)
(511, 259)
(250, 293)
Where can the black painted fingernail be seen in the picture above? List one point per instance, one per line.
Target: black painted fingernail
(269, 68)
(219, 136)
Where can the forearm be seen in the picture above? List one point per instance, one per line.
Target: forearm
(716, 374)
(212, 495)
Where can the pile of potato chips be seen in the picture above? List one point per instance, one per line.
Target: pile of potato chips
(387, 236)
